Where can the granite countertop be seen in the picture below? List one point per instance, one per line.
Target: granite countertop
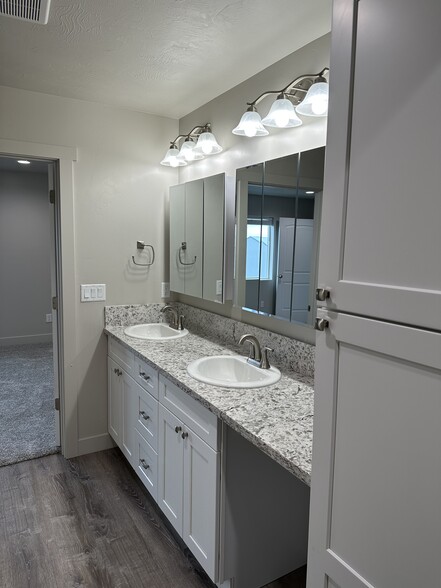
(277, 418)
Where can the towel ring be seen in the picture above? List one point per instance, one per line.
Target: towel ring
(142, 245)
(183, 247)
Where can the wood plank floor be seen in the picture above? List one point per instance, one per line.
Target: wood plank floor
(88, 522)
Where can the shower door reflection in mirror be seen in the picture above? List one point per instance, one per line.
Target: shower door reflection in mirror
(278, 206)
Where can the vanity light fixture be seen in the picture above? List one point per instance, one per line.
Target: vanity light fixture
(306, 95)
(23, 161)
(197, 144)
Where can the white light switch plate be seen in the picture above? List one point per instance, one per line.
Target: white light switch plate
(93, 292)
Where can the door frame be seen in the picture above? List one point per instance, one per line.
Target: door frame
(66, 287)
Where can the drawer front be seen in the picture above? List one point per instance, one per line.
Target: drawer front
(146, 465)
(121, 355)
(192, 413)
(146, 376)
(146, 418)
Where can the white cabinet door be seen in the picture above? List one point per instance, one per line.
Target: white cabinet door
(375, 516)
(201, 501)
(170, 467)
(380, 237)
(114, 374)
(129, 416)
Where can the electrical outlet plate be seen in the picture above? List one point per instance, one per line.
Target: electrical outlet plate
(49, 318)
(93, 292)
(165, 289)
(218, 287)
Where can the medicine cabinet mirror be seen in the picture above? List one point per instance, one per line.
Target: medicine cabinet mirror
(202, 238)
(278, 206)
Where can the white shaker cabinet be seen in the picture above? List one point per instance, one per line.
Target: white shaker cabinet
(380, 252)
(375, 519)
(114, 374)
(189, 476)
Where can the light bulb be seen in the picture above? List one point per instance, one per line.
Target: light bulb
(281, 118)
(250, 125)
(249, 129)
(319, 104)
(174, 162)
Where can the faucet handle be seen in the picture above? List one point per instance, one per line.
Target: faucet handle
(264, 363)
(180, 324)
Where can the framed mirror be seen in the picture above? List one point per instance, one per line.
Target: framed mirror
(278, 205)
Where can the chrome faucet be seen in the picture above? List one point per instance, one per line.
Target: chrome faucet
(176, 322)
(257, 356)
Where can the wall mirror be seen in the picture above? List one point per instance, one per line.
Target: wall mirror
(278, 205)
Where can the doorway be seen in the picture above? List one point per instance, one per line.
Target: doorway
(29, 325)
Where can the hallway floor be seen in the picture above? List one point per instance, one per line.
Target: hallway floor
(89, 522)
(27, 426)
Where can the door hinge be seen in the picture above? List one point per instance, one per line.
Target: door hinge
(52, 196)
(54, 303)
(57, 404)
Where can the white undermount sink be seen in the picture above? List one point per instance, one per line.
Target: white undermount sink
(154, 332)
(231, 371)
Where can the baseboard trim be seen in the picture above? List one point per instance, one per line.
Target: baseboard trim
(95, 443)
(24, 339)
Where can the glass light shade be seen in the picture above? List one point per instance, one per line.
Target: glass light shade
(188, 153)
(250, 125)
(171, 158)
(207, 144)
(315, 102)
(282, 115)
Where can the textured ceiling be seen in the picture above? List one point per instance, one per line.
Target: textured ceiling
(165, 57)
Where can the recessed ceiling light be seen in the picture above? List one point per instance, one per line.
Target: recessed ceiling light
(23, 161)
(309, 192)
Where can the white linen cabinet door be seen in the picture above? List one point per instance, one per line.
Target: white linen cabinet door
(380, 238)
(201, 501)
(170, 467)
(114, 375)
(375, 518)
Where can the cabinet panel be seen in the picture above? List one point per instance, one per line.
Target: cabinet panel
(170, 468)
(129, 405)
(122, 356)
(376, 445)
(146, 416)
(380, 237)
(201, 502)
(146, 465)
(114, 401)
(177, 236)
(146, 376)
(203, 422)
(194, 206)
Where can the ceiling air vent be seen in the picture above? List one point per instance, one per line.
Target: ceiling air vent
(31, 10)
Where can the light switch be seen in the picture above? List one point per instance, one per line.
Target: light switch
(218, 287)
(93, 292)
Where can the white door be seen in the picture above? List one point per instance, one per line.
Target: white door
(287, 227)
(375, 518)
(54, 294)
(301, 284)
(114, 374)
(201, 501)
(381, 237)
(170, 467)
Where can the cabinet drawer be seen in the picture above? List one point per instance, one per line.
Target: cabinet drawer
(146, 465)
(192, 413)
(146, 376)
(146, 418)
(121, 355)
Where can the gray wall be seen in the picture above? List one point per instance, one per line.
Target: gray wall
(25, 282)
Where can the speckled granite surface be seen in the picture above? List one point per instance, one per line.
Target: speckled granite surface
(288, 353)
(277, 419)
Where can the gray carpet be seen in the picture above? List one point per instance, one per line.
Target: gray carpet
(27, 427)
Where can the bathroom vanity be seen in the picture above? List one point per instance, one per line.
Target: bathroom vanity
(229, 468)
